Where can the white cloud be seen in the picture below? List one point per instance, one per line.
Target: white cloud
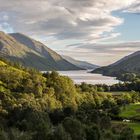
(66, 22)
(101, 54)
(63, 19)
(134, 8)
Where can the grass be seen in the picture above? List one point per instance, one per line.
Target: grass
(131, 110)
(119, 92)
(134, 125)
(115, 92)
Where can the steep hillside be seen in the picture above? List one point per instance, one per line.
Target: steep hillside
(128, 64)
(81, 64)
(20, 48)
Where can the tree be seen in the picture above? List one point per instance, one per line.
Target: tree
(60, 134)
(93, 133)
(105, 122)
(56, 116)
(15, 134)
(74, 128)
(127, 134)
(109, 136)
(115, 110)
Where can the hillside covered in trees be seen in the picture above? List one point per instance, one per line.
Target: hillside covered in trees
(36, 106)
(127, 65)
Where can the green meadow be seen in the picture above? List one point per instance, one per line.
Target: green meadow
(130, 111)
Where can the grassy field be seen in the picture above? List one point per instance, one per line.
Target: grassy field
(115, 93)
(134, 125)
(130, 111)
(118, 93)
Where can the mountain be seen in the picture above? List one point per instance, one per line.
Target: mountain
(128, 64)
(81, 64)
(21, 48)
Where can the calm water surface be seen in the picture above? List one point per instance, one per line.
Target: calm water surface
(90, 78)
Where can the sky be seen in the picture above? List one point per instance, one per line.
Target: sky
(97, 31)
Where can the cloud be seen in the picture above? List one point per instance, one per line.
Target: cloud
(122, 46)
(134, 8)
(101, 54)
(63, 19)
(81, 23)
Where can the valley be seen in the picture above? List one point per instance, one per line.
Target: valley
(69, 69)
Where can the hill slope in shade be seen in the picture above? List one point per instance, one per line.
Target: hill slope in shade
(20, 48)
(81, 64)
(128, 64)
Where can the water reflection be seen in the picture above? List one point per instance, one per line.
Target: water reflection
(90, 78)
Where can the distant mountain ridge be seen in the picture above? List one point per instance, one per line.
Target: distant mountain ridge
(127, 57)
(81, 64)
(128, 64)
(21, 48)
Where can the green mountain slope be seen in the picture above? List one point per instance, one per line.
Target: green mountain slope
(20, 48)
(128, 64)
(81, 64)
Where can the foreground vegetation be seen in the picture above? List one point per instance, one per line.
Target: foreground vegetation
(134, 125)
(130, 111)
(35, 106)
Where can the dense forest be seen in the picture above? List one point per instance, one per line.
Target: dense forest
(36, 106)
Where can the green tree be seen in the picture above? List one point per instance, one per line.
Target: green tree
(127, 134)
(74, 128)
(93, 133)
(105, 122)
(60, 134)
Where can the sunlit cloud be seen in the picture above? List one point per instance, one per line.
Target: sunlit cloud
(62, 23)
